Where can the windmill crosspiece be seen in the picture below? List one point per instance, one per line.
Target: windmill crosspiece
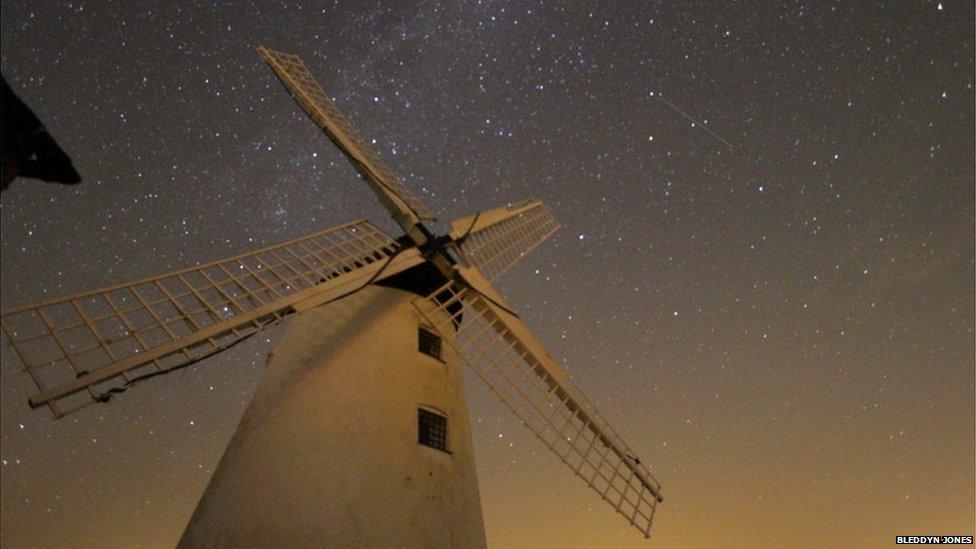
(85, 348)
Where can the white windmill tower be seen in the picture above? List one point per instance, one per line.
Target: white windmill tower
(358, 433)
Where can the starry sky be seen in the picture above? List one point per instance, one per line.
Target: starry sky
(764, 280)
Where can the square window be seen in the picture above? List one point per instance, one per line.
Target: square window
(432, 429)
(429, 343)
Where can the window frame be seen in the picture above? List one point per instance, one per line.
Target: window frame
(421, 330)
(438, 434)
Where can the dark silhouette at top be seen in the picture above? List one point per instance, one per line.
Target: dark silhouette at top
(28, 149)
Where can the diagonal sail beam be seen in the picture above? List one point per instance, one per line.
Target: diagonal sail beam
(495, 240)
(506, 355)
(399, 200)
(96, 343)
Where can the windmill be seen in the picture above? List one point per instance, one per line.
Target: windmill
(358, 433)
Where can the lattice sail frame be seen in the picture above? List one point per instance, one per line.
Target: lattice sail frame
(95, 342)
(546, 401)
(293, 73)
(495, 247)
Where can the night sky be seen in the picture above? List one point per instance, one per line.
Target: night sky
(764, 280)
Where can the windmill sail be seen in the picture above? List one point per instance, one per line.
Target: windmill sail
(495, 240)
(397, 197)
(96, 343)
(511, 361)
